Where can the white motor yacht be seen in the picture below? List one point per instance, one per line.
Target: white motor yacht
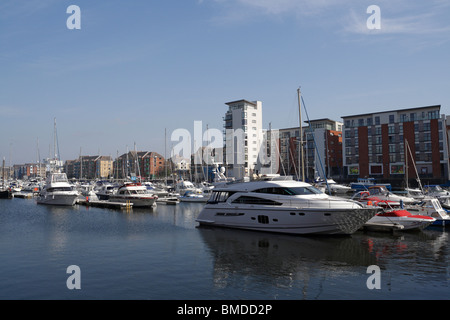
(135, 193)
(104, 191)
(184, 186)
(284, 207)
(58, 191)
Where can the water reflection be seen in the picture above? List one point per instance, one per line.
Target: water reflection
(423, 255)
(281, 258)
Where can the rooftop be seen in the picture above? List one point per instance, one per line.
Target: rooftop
(395, 110)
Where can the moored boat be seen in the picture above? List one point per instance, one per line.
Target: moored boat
(58, 191)
(134, 193)
(401, 217)
(194, 196)
(431, 207)
(283, 207)
(382, 193)
(364, 183)
(335, 188)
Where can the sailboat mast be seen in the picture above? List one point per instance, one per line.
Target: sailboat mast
(165, 154)
(406, 164)
(300, 160)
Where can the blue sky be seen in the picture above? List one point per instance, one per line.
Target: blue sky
(138, 68)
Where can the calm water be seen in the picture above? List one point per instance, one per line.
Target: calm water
(162, 254)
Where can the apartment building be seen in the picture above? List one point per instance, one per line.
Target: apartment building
(29, 170)
(89, 167)
(322, 150)
(243, 136)
(375, 144)
(144, 164)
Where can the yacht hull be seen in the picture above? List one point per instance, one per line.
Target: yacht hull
(408, 223)
(58, 199)
(309, 221)
(136, 201)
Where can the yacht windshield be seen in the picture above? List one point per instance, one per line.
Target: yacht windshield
(219, 196)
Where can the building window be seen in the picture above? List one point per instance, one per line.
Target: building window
(376, 169)
(391, 129)
(391, 118)
(377, 130)
(377, 120)
(433, 114)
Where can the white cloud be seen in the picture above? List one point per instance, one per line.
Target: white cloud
(399, 17)
(426, 23)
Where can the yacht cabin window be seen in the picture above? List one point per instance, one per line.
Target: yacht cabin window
(290, 191)
(256, 200)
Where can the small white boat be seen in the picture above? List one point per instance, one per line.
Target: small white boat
(104, 191)
(58, 191)
(415, 193)
(442, 195)
(183, 186)
(383, 194)
(194, 196)
(290, 207)
(135, 193)
(431, 207)
(401, 217)
(335, 187)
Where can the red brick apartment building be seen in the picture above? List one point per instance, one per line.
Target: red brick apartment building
(375, 145)
(322, 149)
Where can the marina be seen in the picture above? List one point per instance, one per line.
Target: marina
(225, 150)
(162, 253)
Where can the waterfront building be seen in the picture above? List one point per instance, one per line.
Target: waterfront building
(243, 135)
(89, 167)
(143, 164)
(29, 170)
(374, 145)
(180, 166)
(322, 149)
